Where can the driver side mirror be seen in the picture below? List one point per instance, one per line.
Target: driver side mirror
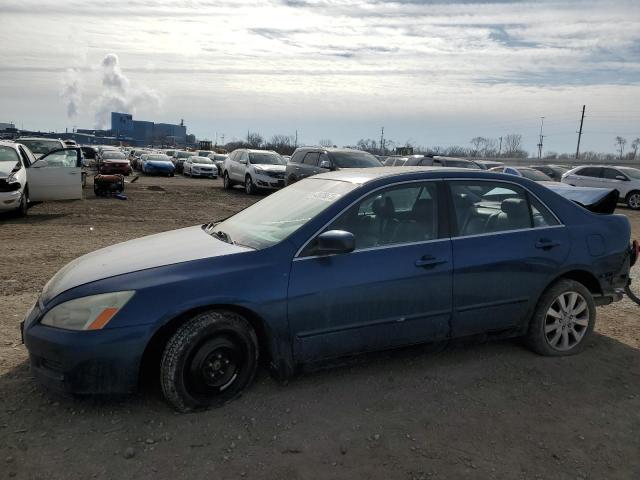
(621, 177)
(326, 164)
(336, 242)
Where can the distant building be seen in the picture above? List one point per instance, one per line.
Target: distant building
(140, 132)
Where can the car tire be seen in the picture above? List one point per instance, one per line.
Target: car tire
(563, 320)
(23, 208)
(249, 186)
(209, 361)
(84, 179)
(226, 181)
(633, 200)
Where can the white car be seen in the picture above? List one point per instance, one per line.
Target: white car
(255, 169)
(41, 146)
(199, 167)
(625, 180)
(56, 175)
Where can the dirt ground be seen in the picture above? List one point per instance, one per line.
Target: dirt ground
(492, 410)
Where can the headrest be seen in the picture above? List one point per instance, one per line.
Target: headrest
(513, 206)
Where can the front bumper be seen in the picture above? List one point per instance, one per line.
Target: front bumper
(265, 181)
(10, 200)
(213, 173)
(85, 362)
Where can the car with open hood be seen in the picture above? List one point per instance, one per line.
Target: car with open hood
(341, 263)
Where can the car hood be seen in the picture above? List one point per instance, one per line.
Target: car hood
(597, 200)
(116, 160)
(270, 168)
(140, 254)
(159, 163)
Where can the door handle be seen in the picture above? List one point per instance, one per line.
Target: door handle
(429, 262)
(545, 244)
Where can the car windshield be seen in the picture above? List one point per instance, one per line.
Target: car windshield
(40, 147)
(8, 160)
(204, 153)
(631, 172)
(274, 218)
(158, 158)
(266, 159)
(534, 175)
(201, 160)
(354, 160)
(113, 156)
(185, 154)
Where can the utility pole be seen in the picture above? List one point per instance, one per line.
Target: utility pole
(541, 138)
(580, 133)
(296, 144)
(382, 141)
(500, 149)
(247, 137)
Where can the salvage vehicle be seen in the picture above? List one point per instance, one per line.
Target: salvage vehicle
(526, 172)
(179, 156)
(196, 166)
(113, 162)
(255, 169)
(41, 146)
(157, 164)
(56, 175)
(308, 161)
(341, 263)
(625, 180)
(554, 172)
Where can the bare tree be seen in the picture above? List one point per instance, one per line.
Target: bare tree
(635, 145)
(478, 144)
(368, 145)
(513, 145)
(254, 140)
(325, 142)
(283, 144)
(620, 143)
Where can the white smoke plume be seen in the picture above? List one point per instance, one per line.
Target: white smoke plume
(118, 95)
(71, 91)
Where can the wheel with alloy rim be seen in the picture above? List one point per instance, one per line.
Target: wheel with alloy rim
(249, 186)
(633, 200)
(210, 360)
(563, 320)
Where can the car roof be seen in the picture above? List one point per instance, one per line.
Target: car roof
(38, 138)
(7, 143)
(364, 175)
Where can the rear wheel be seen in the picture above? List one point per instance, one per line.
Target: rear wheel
(563, 320)
(210, 360)
(633, 200)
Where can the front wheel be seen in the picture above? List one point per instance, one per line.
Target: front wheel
(563, 320)
(249, 186)
(210, 360)
(24, 204)
(633, 200)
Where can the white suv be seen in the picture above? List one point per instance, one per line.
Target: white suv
(625, 180)
(255, 169)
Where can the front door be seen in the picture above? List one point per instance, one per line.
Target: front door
(394, 289)
(56, 176)
(507, 247)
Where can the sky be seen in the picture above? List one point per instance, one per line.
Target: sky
(431, 73)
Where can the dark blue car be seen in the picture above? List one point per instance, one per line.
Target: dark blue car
(341, 263)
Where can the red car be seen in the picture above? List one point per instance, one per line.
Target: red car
(114, 162)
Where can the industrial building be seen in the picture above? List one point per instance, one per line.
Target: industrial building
(140, 132)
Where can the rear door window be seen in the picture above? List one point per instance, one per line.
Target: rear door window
(311, 158)
(590, 172)
(612, 173)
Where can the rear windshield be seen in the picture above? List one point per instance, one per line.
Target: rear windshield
(266, 159)
(158, 158)
(185, 154)
(8, 160)
(354, 160)
(113, 156)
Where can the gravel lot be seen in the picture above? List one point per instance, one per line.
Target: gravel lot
(490, 410)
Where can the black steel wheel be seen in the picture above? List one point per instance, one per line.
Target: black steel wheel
(210, 360)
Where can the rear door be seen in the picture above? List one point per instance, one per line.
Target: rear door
(613, 178)
(56, 176)
(507, 246)
(309, 165)
(587, 177)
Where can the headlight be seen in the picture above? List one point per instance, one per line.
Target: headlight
(87, 313)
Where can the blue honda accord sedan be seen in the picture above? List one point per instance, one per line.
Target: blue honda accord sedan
(341, 263)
